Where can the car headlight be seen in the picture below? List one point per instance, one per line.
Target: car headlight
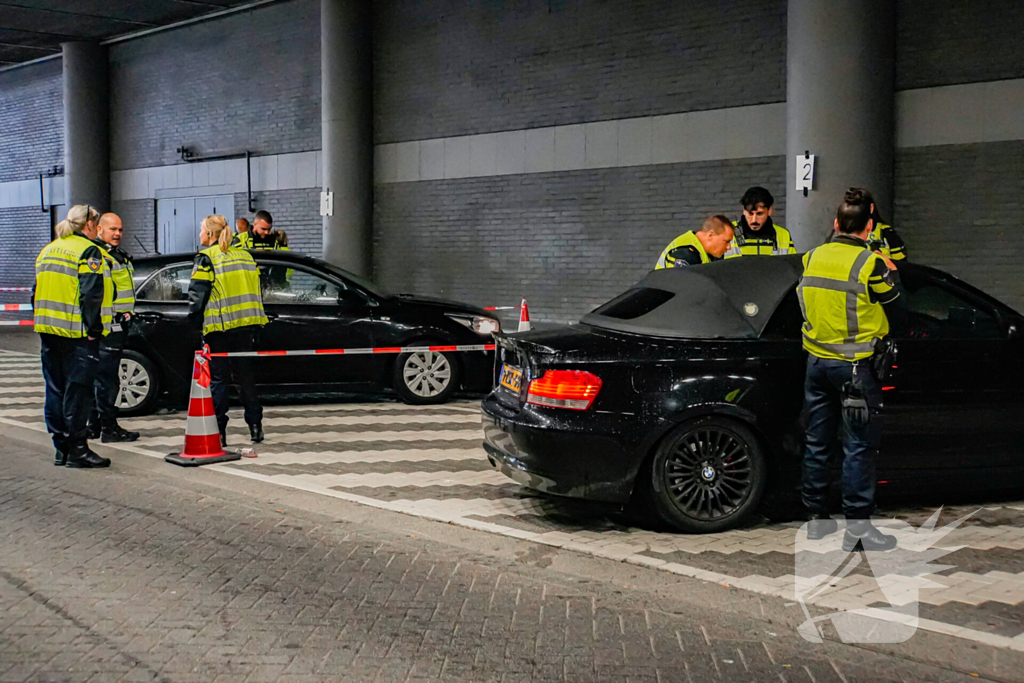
(478, 323)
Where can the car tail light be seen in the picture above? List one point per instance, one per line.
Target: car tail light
(573, 389)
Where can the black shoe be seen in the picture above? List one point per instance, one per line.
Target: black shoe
(861, 534)
(224, 438)
(94, 431)
(115, 434)
(256, 432)
(60, 451)
(86, 459)
(819, 526)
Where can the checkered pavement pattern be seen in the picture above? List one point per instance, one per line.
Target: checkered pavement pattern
(427, 461)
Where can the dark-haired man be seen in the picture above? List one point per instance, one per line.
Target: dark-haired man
(842, 291)
(703, 246)
(263, 234)
(756, 233)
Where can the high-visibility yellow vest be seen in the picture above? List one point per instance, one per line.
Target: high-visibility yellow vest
(124, 288)
(841, 321)
(755, 246)
(57, 304)
(242, 240)
(687, 239)
(235, 300)
(878, 242)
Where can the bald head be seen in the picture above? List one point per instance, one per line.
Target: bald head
(110, 229)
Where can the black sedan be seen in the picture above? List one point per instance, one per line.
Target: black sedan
(685, 393)
(311, 305)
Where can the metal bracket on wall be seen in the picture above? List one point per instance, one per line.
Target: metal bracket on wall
(52, 173)
(189, 156)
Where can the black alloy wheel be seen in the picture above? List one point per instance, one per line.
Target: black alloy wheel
(707, 476)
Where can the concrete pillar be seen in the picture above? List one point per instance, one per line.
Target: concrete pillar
(346, 61)
(840, 107)
(86, 125)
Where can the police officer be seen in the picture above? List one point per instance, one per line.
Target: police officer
(842, 291)
(884, 238)
(263, 235)
(757, 234)
(224, 299)
(103, 418)
(73, 304)
(703, 246)
(243, 235)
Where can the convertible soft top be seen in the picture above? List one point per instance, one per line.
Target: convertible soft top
(730, 299)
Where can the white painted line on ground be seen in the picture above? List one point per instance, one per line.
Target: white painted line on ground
(269, 423)
(340, 437)
(352, 457)
(400, 479)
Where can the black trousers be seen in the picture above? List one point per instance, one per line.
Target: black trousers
(108, 380)
(238, 371)
(823, 406)
(69, 368)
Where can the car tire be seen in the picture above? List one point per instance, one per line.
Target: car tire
(426, 378)
(140, 384)
(707, 475)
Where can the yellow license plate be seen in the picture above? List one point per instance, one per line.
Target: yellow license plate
(511, 378)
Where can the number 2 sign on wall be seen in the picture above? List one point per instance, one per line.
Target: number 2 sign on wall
(805, 172)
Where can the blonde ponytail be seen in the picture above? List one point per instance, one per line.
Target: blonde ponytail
(78, 217)
(218, 228)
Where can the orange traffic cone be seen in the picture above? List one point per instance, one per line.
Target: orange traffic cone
(524, 317)
(202, 438)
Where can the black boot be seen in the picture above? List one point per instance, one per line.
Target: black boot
(60, 451)
(113, 433)
(223, 435)
(256, 432)
(820, 525)
(861, 534)
(94, 431)
(80, 457)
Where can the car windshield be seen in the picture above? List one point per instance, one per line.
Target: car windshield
(731, 299)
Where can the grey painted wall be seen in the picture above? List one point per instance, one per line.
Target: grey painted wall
(567, 241)
(961, 208)
(247, 81)
(945, 42)
(31, 120)
(443, 68)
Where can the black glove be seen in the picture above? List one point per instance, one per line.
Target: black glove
(856, 412)
(884, 358)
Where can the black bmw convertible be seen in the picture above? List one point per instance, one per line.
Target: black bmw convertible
(684, 394)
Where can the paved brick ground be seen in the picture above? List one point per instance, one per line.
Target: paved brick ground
(140, 573)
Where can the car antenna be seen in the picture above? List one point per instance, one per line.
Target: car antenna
(144, 246)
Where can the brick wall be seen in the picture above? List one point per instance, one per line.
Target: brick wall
(443, 68)
(961, 208)
(31, 120)
(138, 216)
(944, 42)
(247, 81)
(24, 231)
(567, 241)
(297, 212)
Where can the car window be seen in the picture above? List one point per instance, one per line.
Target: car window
(169, 284)
(283, 284)
(936, 311)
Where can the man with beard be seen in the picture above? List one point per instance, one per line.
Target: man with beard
(756, 233)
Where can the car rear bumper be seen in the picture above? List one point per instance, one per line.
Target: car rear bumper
(594, 463)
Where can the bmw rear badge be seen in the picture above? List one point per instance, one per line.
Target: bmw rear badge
(708, 473)
(750, 308)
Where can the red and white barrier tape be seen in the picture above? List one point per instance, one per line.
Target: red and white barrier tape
(17, 322)
(357, 352)
(15, 307)
(502, 308)
(15, 289)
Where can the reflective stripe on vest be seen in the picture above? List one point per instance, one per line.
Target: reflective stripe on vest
(235, 300)
(124, 288)
(780, 246)
(841, 321)
(57, 305)
(687, 239)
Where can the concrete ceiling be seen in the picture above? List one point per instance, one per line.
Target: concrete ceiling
(30, 29)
